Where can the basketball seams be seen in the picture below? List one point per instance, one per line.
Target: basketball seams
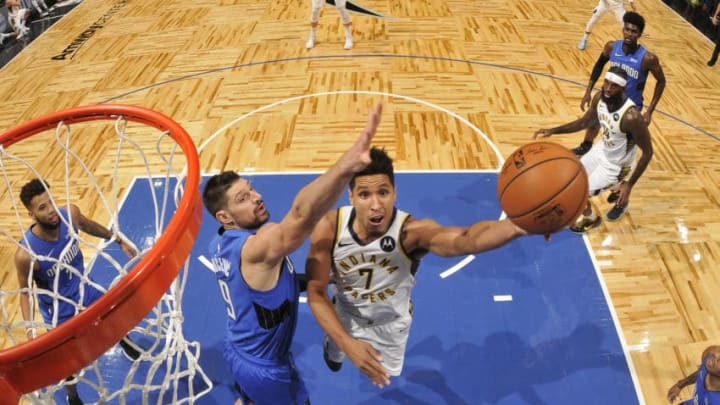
(540, 198)
(560, 189)
(527, 169)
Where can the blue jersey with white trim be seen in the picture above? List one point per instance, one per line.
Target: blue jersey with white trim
(58, 257)
(631, 63)
(260, 323)
(702, 395)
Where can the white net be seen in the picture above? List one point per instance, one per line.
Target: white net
(92, 167)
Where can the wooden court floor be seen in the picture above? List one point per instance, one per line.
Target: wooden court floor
(440, 66)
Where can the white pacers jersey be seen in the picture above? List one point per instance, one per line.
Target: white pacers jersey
(619, 148)
(374, 280)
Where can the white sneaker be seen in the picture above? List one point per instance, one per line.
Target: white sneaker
(348, 43)
(582, 44)
(310, 44)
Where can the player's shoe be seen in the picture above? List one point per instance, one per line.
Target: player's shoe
(582, 149)
(348, 43)
(74, 400)
(614, 195)
(583, 43)
(332, 365)
(128, 349)
(616, 212)
(586, 224)
(310, 44)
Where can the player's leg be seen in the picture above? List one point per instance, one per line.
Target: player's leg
(716, 51)
(266, 384)
(390, 340)
(332, 354)
(91, 294)
(345, 16)
(598, 11)
(598, 180)
(618, 8)
(587, 142)
(616, 212)
(73, 398)
(316, 5)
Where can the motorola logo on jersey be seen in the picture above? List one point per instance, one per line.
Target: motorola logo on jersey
(387, 244)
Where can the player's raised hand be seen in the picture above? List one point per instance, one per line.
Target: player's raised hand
(358, 156)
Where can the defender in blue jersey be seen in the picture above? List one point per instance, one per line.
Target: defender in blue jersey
(50, 257)
(634, 59)
(257, 279)
(706, 379)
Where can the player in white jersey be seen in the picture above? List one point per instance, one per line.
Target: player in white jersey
(374, 250)
(608, 163)
(603, 6)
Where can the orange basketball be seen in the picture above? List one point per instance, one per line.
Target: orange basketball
(543, 187)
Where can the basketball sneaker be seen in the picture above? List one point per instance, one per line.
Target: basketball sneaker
(74, 400)
(616, 212)
(332, 365)
(582, 149)
(128, 349)
(586, 224)
(348, 43)
(614, 195)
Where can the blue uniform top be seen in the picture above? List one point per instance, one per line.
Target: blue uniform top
(260, 323)
(65, 250)
(702, 395)
(631, 63)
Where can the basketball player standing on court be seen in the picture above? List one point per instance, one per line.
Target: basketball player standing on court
(706, 379)
(609, 161)
(637, 62)
(374, 250)
(50, 237)
(257, 279)
(315, 16)
(603, 6)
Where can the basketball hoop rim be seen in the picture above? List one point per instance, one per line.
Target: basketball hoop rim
(89, 334)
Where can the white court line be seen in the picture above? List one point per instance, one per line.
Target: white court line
(457, 267)
(616, 320)
(206, 262)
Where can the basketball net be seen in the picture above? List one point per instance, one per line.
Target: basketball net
(93, 166)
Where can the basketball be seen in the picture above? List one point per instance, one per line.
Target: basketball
(542, 187)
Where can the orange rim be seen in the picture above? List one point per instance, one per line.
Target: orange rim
(83, 338)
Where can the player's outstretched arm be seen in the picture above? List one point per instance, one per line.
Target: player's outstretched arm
(317, 267)
(93, 228)
(450, 241)
(274, 241)
(588, 119)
